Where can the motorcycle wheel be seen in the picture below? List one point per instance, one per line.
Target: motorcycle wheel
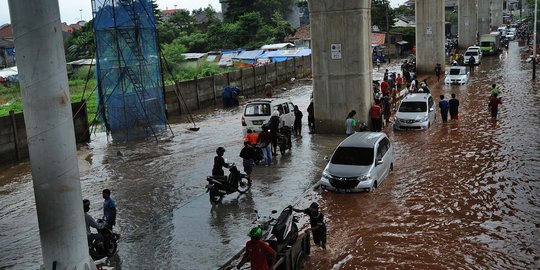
(111, 247)
(215, 195)
(244, 184)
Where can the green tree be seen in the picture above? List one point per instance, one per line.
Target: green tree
(183, 20)
(80, 43)
(266, 8)
(381, 14)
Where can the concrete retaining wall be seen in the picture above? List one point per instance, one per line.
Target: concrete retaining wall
(204, 92)
(13, 144)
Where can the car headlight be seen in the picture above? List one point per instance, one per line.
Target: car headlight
(326, 175)
(363, 178)
(425, 118)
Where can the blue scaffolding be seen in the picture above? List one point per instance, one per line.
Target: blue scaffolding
(128, 69)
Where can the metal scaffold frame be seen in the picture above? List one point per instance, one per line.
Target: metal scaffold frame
(128, 69)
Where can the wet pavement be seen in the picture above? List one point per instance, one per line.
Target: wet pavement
(462, 194)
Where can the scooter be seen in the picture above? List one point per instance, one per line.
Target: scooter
(105, 244)
(284, 139)
(280, 233)
(218, 187)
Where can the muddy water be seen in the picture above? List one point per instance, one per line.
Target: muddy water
(463, 195)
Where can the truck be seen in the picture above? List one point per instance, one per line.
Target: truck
(490, 43)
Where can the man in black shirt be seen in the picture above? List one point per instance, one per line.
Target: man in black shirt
(453, 105)
(316, 220)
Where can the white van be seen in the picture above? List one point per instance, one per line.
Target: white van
(258, 112)
(476, 52)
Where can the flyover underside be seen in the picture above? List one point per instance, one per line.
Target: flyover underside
(484, 18)
(496, 14)
(341, 51)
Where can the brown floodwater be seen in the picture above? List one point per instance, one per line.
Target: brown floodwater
(463, 195)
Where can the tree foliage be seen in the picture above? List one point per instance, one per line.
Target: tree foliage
(382, 15)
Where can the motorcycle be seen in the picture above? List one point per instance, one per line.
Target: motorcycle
(284, 140)
(104, 243)
(218, 187)
(259, 157)
(280, 233)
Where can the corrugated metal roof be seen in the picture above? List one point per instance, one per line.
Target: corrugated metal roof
(249, 54)
(193, 56)
(286, 53)
(277, 46)
(10, 71)
(83, 62)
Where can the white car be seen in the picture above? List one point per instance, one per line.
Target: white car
(416, 111)
(359, 163)
(473, 52)
(457, 75)
(511, 35)
(259, 111)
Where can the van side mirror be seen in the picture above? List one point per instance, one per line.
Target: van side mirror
(379, 161)
(326, 158)
(431, 109)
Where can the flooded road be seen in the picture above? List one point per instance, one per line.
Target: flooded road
(462, 194)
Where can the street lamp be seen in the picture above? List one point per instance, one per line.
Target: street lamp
(80, 10)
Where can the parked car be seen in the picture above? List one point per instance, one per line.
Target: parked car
(457, 75)
(258, 112)
(475, 52)
(416, 111)
(361, 162)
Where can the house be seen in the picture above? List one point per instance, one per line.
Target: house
(192, 60)
(6, 31)
(226, 59)
(302, 37)
(283, 55)
(405, 22)
(167, 13)
(7, 52)
(74, 65)
(247, 58)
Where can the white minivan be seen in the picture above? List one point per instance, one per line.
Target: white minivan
(416, 111)
(474, 51)
(361, 162)
(259, 111)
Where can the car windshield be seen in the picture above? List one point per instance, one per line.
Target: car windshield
(485, 44)
(469, 53)
(358, 156)
(455, 71)
(257, 109)
(413, 106)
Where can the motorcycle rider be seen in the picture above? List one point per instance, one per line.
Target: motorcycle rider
(219, 164)
(256, 251)
(91, 222)
(316, 220)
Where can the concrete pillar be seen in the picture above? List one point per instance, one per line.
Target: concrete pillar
(496, 8)
(44, 86)
(467, 23)
(430, 49)
(341, 61)
(484, 19)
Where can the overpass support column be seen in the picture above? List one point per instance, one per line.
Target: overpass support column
(341, 61)
(496, 14)
(467, 23)
(51, 140)
(429, 35)
(484, 18)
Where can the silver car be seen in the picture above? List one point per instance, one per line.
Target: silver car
(359, 163)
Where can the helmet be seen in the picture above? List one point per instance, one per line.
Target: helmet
(220, 150)
(314, 206)
(255, 232)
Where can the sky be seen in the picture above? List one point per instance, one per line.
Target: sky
(72, 11)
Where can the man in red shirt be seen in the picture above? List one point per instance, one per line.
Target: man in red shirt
(256, 251)
(384, 87)
(375, 113)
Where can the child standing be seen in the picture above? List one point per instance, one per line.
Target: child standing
(248, 155)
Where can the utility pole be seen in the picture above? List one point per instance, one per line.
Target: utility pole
(80, 10)
(51, 137)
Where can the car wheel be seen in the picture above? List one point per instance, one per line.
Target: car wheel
(391, 166)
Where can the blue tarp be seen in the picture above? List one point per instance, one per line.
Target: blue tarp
(283, 55)
(248, 57)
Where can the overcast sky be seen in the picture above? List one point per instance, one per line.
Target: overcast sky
(72, 11)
